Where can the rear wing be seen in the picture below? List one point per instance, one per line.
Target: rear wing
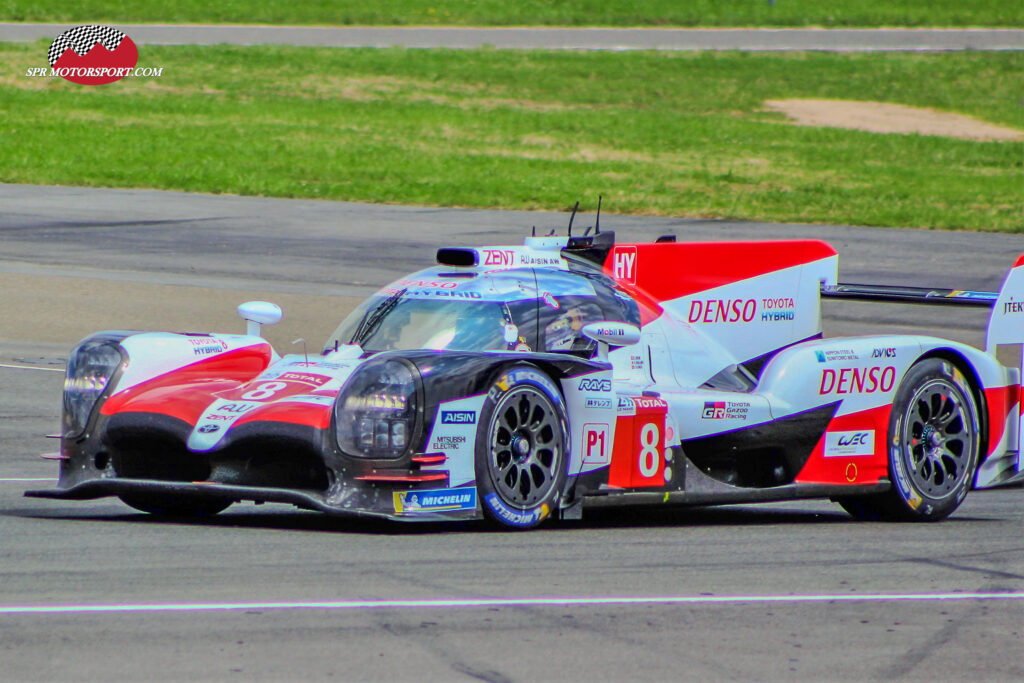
(909, 295)
(1005, 324)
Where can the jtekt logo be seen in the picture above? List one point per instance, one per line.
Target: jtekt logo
(93, 55)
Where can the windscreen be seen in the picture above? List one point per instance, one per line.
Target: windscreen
(401, 322)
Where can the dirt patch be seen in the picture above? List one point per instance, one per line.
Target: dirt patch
(880, 117)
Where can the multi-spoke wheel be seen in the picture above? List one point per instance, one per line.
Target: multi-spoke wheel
(934, 443)
(521, 454)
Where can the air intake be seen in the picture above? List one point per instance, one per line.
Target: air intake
(454, 256)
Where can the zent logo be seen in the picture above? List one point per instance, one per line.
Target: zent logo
(93, 55)
(458, 417)
(624, 265)
(587, 384)
(499, 257)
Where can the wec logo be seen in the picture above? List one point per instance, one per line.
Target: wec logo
(588, 384)
(853, 443)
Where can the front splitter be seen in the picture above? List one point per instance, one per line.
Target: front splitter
(347, 504)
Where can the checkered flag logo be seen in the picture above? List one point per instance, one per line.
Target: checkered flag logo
(82, 39)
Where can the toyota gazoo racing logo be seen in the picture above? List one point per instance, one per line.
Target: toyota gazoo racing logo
(93, 55)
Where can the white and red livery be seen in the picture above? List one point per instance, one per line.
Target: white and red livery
(519, 383)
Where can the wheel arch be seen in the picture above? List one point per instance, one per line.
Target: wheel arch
(964, 365)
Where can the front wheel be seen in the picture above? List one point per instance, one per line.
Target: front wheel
(934, 445)
(521, 455)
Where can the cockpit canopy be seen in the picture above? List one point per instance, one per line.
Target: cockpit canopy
(518, 309)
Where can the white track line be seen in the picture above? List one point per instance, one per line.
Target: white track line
(363, 605)
(10, 479)
(30, 367)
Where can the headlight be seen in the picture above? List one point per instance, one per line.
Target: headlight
(90, 368)
(376, 412)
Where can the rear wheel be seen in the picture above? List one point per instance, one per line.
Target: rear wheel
(170, 505)
(934, 444)
(522, 454)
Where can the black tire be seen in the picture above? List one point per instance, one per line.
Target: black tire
(934, 444)
(522, 448)
(169, 505)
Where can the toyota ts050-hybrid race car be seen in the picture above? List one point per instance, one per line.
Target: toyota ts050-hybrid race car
(518, 383)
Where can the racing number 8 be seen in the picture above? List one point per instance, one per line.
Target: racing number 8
(649, 456)
(265, 390)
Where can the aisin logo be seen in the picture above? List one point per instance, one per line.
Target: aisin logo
(93, 55)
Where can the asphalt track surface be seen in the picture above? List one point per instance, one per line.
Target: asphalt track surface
(93, 590)
(836, 40)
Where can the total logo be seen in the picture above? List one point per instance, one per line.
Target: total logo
(857, 380)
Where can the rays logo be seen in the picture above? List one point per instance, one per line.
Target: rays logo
(93, 55)
(588, 384)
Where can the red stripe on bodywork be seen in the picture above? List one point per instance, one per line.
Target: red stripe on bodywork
(668, 270)
(851, 469)
(185, 392)
(309, 414)
(1001, 401)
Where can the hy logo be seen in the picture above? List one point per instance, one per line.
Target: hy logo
(93, 55)
(624, 264)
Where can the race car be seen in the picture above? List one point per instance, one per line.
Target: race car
(528, 382)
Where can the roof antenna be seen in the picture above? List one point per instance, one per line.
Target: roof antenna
(574, 209)
(597, 221)
(534, 234)
(304, 352)
(587, 231)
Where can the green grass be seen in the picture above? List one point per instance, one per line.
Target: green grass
(532, 12)
(663, 133)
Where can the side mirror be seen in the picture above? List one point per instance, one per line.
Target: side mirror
(256, 313)
(607, 333)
